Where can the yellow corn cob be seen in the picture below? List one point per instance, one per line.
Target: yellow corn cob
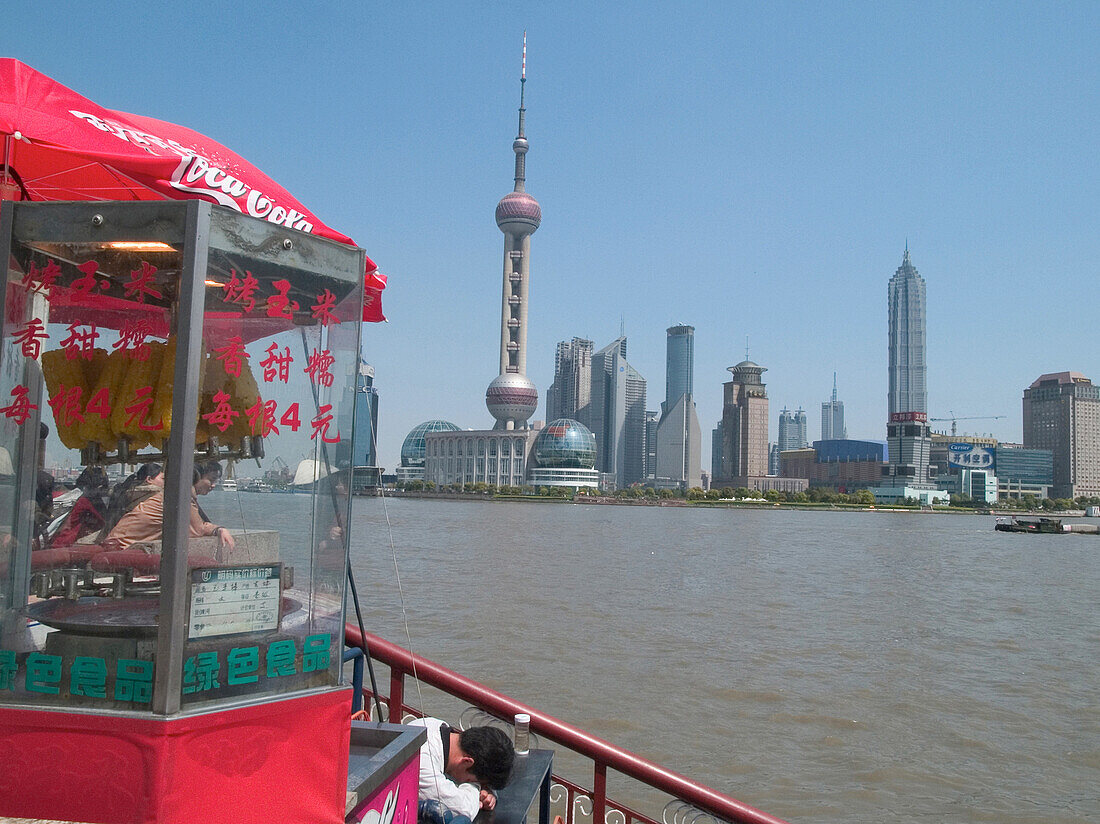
(245, 394)
(92, 372)
(162, 408)
(109, 377)
(62, 375)
(135, 375)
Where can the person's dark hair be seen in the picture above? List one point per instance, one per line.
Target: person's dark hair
(211, 470)
(147, 471)
(493, 754)
(93, 478)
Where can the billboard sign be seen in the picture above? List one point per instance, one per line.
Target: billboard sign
(970, 456)
(908, 417)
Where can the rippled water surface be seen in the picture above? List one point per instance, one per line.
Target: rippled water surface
(821, 666)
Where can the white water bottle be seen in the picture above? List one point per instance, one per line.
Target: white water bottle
(523, 733)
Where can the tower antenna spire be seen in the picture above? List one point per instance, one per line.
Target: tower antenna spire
(834, 387)
(520, 144)
(522, 84)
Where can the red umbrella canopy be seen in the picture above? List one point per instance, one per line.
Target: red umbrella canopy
(58, 145)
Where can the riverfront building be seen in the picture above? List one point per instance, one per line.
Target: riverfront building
(792, 430)
(413, 450)
(492, 456)
(744, 428)
(364, 441)
(679, 439)
(832, 418)
(511, 397)
(1062, 414)
(1022, 471)
(908, 436)
(838, 464)
(652, 418)
(569, 395)
(617, 416)
(1017, 470)
(565, 455)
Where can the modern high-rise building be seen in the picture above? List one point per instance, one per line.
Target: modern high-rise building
(617, 415)
(364, 441)
(744, 426)
(569, 395)
(792, 430)
(832, 418)
(651, 419)
(679, 363)
(1062, 414)
(908, 436)
(679, 439)
(716, 452)
(511, 397)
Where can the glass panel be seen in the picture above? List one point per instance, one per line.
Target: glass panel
(86, 336)
(94, 330)
(281, 337)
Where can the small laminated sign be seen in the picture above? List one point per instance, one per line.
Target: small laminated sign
(234, 600)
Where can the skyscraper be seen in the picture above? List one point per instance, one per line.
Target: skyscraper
(832, 418)
(1062, 414)
(908, 437)
(569, 395)
(651, 420)
(792, 429)
(512, 397)
(744, 425)
(679, 363)
(679, 440)
(617, 414)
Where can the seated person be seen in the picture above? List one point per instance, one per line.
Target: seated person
(86, 516)
(145, 522)
(457, 770)
(146, 482)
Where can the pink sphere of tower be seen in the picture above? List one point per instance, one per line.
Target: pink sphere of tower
(518, 214)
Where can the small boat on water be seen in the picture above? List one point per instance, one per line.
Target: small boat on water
(229, 484)
(1051, 525)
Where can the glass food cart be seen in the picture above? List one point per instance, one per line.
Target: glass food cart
(158, 663)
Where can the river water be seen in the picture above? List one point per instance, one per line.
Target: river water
(821, 666)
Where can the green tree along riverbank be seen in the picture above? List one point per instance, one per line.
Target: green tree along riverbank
(814, 498)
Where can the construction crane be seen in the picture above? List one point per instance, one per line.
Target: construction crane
(956, 418)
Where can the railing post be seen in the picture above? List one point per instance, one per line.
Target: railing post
(355, 654)
(397, 694)
(599, 792)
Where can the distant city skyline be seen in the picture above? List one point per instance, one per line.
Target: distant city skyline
(821, 152)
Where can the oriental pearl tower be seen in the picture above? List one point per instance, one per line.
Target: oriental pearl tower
(511, 397)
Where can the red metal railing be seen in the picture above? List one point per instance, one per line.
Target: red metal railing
(604, 755)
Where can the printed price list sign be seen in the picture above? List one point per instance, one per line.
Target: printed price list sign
(234, 600)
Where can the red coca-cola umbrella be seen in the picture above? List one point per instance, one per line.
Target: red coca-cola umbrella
(58, 145)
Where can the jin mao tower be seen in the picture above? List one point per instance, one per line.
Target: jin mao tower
(907, 430)
(512, 397)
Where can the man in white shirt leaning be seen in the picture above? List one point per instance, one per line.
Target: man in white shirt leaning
(459, 769)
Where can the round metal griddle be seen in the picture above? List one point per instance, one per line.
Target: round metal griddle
(112, 617)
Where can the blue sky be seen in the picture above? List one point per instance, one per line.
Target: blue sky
(751, 169)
